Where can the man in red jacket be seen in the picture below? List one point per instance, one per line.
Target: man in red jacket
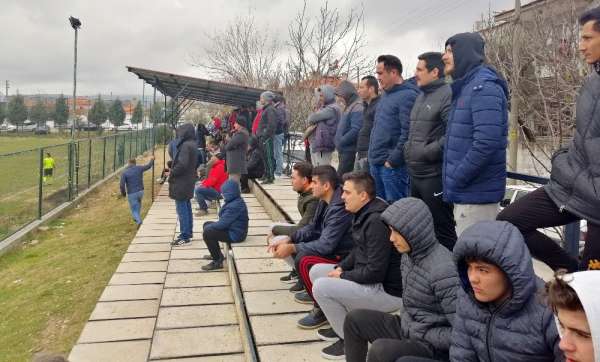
(210, 188)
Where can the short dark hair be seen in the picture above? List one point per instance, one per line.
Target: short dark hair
(363, 181)
(304, 169)
(326, 174)
(390, 62)
(372, 82)
(561, 295)
(433, 60)
(132, 161)
(591, 15)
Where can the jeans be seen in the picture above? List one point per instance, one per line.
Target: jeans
(135, 205)
(204, 194)
(391, 184)
(278, 153)
(211, 239)
(186, 222)
(346, 162)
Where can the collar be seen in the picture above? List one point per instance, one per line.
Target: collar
(432, 86)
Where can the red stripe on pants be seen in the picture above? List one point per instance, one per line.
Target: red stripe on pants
(304, 266)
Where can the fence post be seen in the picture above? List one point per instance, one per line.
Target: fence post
(115, 154)
(130, 144)
(103, 156)
(41, 183)
(153, 169)
(137, 148)
(70, 176)
(77, 169)
(89, 175)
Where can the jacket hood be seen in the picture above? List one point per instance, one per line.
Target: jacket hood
(328, 93)
(230, 190)
(186, 132)
(468, 50)
(411, 218)
(500, 243)
(347, 91)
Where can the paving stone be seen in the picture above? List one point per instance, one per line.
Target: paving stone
(196, 296)
(280, 328)
(130, 351)
(196, 316)
(186, 266)
(146, 266)
(117, 330)
(239, 357)
(186, 280)
(131, 292)
(138, 278)
(252, 240)
(127, 309)
(144, 248)
(188, 253)
(252, 209)
(245, 266)
(273, 302)
(259, 216)
(252, 252)
(196, 342)
(301, 352)
(258, 223)
(165, 232)
(266, 281)
(259, 230)
(153, 240)
(151, 256)
(160, 220)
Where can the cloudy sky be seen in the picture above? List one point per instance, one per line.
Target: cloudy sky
(36, 40)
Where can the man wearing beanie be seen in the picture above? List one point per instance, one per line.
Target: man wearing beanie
(266, 132)
(235, 150)
(346, 136)
(430, 283)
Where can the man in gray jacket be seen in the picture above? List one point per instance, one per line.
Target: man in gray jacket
(346, 135)
(266, 132)
(424, 148)
(325, 122)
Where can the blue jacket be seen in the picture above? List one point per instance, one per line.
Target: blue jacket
(392, 122)
(233, 216)
(346, 135)
(132, 179)
(522, 328)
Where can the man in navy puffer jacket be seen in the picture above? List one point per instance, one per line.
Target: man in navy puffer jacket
(474, 170)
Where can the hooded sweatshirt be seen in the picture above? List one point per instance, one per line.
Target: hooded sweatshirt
(233, 216)
(326, 119)
(346, 135)
(182, 177)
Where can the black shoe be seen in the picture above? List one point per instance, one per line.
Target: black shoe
(303, 298)
(327, 335)
(292, 277)
(314, 319)
(180, 242)
(335, 351)
(246, 191)
(298, 287)
(267, 181)
(207, 257)
(213, 265)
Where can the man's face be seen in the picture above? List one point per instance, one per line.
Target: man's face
(488, 282)
(424, 76)
(299, 183)
(399, 241)
(448, 59)
(364, 92)
(589, 44)
(576, 338)
(319, 189)
(353, 199)
(386, 79)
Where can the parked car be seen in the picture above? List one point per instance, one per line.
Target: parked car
(124, 127)
(89, 127)
(7, 127)
(29, 127)
(41, 129)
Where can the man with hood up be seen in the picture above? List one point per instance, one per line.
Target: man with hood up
(474, 168)
(346, 135)
(265, 133)
(325, 121)
(182, 179)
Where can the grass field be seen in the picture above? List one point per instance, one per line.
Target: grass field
(49, 285)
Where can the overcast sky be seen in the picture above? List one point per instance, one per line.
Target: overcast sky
(36, 40)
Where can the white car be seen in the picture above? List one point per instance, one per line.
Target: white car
(7, 127)
(124, 127)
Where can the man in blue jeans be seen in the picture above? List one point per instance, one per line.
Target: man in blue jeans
(132, 185)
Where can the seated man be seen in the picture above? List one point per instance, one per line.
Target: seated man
(574, 300)
(307, 204)
(327, 239)
(254, 164)
(232, 226)
(429, 283)
(499, 312)
(367, 278)
(210, 188)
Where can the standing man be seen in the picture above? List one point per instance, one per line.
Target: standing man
(182, 178)
(266, 131)
(346, 135)
(235, 150)
(201, 133)
(280, 132)
(132, 186)
(368, 90)
(48, 164)
(425, 145)
(324, 123)
(474, 169)
(573, 192)
(390, 130)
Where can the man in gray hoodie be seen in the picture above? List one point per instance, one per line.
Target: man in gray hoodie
(325, 121)
(346, 135)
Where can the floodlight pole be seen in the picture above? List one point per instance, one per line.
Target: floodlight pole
(74, 85)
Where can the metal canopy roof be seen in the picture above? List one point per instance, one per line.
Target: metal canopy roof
(197, 89)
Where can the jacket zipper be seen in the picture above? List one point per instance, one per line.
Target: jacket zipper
(489, 332)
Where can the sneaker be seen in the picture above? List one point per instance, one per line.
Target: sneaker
(292, 277)
(327, 335)
(334, 351)
(180, 242)
(213, 265)
(201, 212)
(207, 257)
(314, 319)
(303, 298)
(298, 287)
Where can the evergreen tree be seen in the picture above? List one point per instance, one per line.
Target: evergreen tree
(61, 110)
(38, 113)
(97, 115)
(16, 111)
(117, 113)
(138, 114)
(2, 112)
(156, 113)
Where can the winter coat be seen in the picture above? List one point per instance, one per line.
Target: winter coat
(182, 177)
(216, 176)
(521, 329)
(362, 142)
(428, 118)
(575, 177)
(429, 277)
(329, 232)
(254, 159)
(235, 152)
(373, 258)
(326, 119)
(307, 205)
(201, 133)
(267, 124)
(132, 179)
(283, 118)
(474, 170)
(392, 122)
(233, 216)
(350, 122)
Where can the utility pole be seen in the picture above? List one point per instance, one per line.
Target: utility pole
(7, 84)
(513, 133)
(75, 24)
